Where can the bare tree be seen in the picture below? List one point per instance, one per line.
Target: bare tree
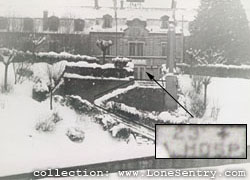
(36, 42)
(207, 57)
(7, 56)
(22, 69)
(206, 81)
(103, 45)
(55, 74)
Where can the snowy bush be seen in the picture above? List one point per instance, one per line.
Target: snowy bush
(120, 62)
(106, 121)
(75, 134)
(22, 72)
(120, 131)
(45, 126)
(40, 90)
(25, 72)
(80, 105)
(197, 83)
(215, 112)
(48, 123)
(197, 106)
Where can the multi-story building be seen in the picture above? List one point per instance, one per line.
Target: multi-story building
(140, 33)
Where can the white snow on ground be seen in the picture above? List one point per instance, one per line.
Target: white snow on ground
(24, 149)
(230, 95)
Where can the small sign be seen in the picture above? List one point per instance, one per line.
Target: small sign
(203, 141)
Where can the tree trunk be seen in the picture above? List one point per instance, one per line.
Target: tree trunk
(103, 56)
(15, 74)
(51, 99)
(6, 77)
(205, 95)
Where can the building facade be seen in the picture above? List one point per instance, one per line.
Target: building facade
(141, 34)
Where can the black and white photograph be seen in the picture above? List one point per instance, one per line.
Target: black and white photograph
(124, 89)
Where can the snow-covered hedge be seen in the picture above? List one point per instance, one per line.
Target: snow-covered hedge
(120, 62)
(80, 105)
(133, 114)
(49, 57)
(105, 71)
(217, 70)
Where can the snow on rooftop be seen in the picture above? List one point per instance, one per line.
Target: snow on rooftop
(85, 12)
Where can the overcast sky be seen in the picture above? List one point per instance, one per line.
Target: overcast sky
(152, 3)
(43, 4)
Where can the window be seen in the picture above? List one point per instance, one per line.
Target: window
(164, 49)
(164, 22)
(78, 24)
(53, 23)
(107, 21)
(136, 49)
(3, 23)
(139, 49)
(28, 24)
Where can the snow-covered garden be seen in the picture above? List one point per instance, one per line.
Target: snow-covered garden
(55, 131)
(35, 137)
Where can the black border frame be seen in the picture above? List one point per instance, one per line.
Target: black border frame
(245, 125)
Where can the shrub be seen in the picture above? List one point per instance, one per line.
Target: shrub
(197, 106)
(45, 126)
(48, 123)
(75, 134)
(23, 73)
(197, 83)
(123, 133)
(106, 121)
(215, 112)
(39, 91)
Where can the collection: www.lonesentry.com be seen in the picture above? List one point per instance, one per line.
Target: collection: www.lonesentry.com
(211, 174)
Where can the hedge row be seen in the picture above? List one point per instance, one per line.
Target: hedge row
(216, 70)
(99, 72)
(51, 57)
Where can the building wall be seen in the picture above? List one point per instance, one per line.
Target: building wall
(146, 38)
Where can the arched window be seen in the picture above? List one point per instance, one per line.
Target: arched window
(28, 24)
(79, 24)
(53, 23)
(3, 23)
(164, 22)
(107, 21)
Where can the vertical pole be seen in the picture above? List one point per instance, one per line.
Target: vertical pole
(182, 40)
(171, 47)
(116, 28)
